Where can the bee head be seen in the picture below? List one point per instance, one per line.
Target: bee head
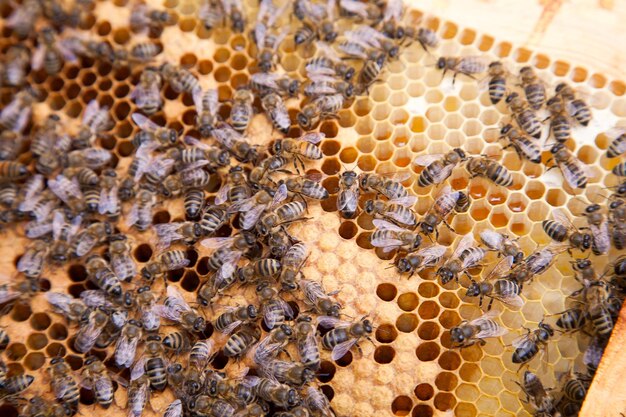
(199, 324)
(441, 63)
(349, 74)
(511, 97)
(403, 265)
(293, 398)
(456, 334)
(367, 326)
(285, 328)
(556, 148)
(369, 207)
(363, 180)
(445, 274)
(506, 129)
(592, 208)
(303, 120)
(252, 311)
(473, 290)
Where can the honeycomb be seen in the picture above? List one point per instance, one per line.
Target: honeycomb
(411, 369)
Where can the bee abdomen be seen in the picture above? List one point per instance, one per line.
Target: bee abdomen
(155, 369)
(497, 88)
(555, 230)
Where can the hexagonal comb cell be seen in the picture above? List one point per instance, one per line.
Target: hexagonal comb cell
(412, 368)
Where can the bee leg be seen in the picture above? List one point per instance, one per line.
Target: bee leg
(448, 226)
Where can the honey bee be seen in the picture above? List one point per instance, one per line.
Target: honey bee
(417, 261)
(617, 146)
(253, 207)
(496, 81)
(274, 309)
(328, 64)
(561, 229)
(234, 11)
(175, 409)
(180, 79)
(537, 263)
(62, 382)
(468, 66)
(397, 211)
(241, 112)
(121, 261)
(303, 147)
(465, 257)
(575, 386)
(575, 172)
(445, 202)
(151, 364)
(307, 186)
(389, 236)
(571, 319)
(5, 339)
(576, 107)
(68, 191)
(617, 220)
(51, 54)
(270, 390)
(259, 269)
(242, 340)
(292, 263)
(599, 227)
(265, 83)
(524, 116)
(138, 396)
(74, 310)
(97, 379)
(344, 335)
(176, 309)
(290, 373)
(207, 105)
(476, 331)
(211, 14)
(151, 131)
(276, 111)
(142, 17)
(140, 215)
(503, 244)
(496, 287)
(17, 60)
(62, 235)
(126, 346)
(233, 317)
(147, 94)
(16, 115)
(31, 262)
(140, 52)
(23, 18)
(619, 170)
(282, 215)
(317, 298)
(97, 119)
(534, 88)
(101, 274)
(234, 143)
(322, 107)
(89, 332)
(527, 346)
(559, 119)
(348, 196)
(364, 39)
(267, 45)
(438, 166)
(93, 235)
(306, 343)
(525, 147)
(201, 353)
(188, 232)
(14, 385)
(164, 262)
(537, 396)
(229, 251)
(213, 217)
(485, 167)
(10, 144)
(193, 203)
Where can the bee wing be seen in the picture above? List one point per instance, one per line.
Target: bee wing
(7, 294)
(103, 383)
(108, 200)
(260, 32)
(331, 5)
(473, 64)
(197, 96)
(312, 290)
(90, 333)
(228, 267)
(150, 319)
(407, 201)
(58, 223)
(513, 300)
(133, 215)
(562, 218)
(393, 11)
(387, 243)
(265, 79)
(59, 387)
(431, 253)
(252, 217)
(601, 237)
(37, 58)
(342, 348)
(138, 369)
(94, 298)
(217, 242)
(125, 351)
(167, 233)
(501, 269)
(349, 201)
(331, 322)
(313, 137)
(222, 194)
(175, 409)
(521, 341)
(191, 141)
(497, 331)
(465, 242)
(91, 111)
(385, 225)
(492, 239)
(615, 132)
(355, 7)
(144, 123)
(231, 327)
(425, 160)
(60, 301)
(280, 195)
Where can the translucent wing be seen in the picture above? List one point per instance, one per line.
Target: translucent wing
(58, 223)
(393, 11)
(501, 269)
(167, 233)
(489, 328)
(191, 141)
(108, 200)
(349, 201)
(432, 253)
(406, 201)
(217, 242)
(37, 58)
(138, 369)
(197, 95)
(125, 351)
(355, 7)
(562, 218)
(513, 300)
(175, 409)
(265, 79)
(222, 194)
(251, 217)
(279, 195)
(569, 175)
(7, 294)
(144, 123)
(473, 64)
(464, 243)
(386, 242)
(342, 348)
(425, 160)
(331, 322)
(385, 225)
(327, 51)
(91, 111)
(313, 137)
(60, 301)
(312, 290)
(492, 239)
(522, 341)
(95, 298)
(601, 237)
